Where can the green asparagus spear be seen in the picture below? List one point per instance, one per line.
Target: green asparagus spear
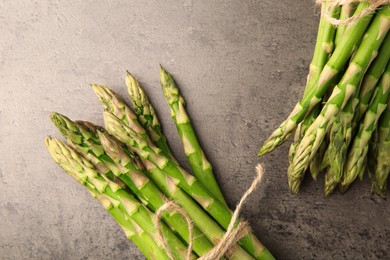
(314, 136)
(125, 165)
(372, 76)
(380, 167)
(323, 49)
(143, 147)
(146, 114)
(133, 232)
(341, 135)
(200, 166)
(347, 11)
(333, 67)
(184, 180)
(131, 171)
(359, 148)
(207, 226)
(87, 175)
(315, 164)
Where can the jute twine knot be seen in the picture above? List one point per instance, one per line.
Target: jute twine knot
(171, 206)
(233, 234)
(373, 6)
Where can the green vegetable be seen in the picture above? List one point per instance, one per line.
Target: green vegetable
(86, 174)
(200, 166)
(146, 115)
(125, 165)
(142, 146)
(184, 180)
(341, 94)
(323, 49)
(324, 80)
(358, 151)
(342, 131)
(347, 11)
(380, 153)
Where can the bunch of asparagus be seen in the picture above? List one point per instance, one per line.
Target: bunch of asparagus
(131, 170)
(342, 121)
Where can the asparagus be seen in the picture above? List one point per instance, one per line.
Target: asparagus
(315, 164)
(341, 94)
(125, 165)
(181, 178)
(342, 132)
(143, 147)
(359, 148)
(200, 166)
(333, 67)
(146, 114)
(87, 175)
(207, 226)
(380, 167)
(113, 103)
(347, 11)
(135, 233)
(323, 49)
(299, 133)
(372, 76)
(129, 168)
(122, 111)
(340, 137)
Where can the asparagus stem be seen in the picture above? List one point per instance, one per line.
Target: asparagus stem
(143, 147)
(114, 103)
(125, 165)
(372, 76)
(146, 114)
(340, 137)
(380, 163)
(333, 174)
(207, 225)
(85, 173)
(342, 131)
(359, 148)
(314, 136)
(200, 166)
(333, 67)
(347, 11)
(181, 178)
(323, 49)
(142, 240)
(315, 164)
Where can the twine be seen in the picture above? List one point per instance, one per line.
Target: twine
(171, 206)
(374, 5)
(231, 237)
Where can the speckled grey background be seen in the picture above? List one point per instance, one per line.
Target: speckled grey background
(240, 64)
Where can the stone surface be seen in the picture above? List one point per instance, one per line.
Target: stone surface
(241, 66)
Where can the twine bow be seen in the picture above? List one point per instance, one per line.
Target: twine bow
(233, 233)
(373, 6)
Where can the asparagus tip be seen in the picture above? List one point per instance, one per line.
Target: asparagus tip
(129, 74)
(261, 152)
(47, 140)
(164, 76)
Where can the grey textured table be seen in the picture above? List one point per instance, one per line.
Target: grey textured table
(241, 66)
